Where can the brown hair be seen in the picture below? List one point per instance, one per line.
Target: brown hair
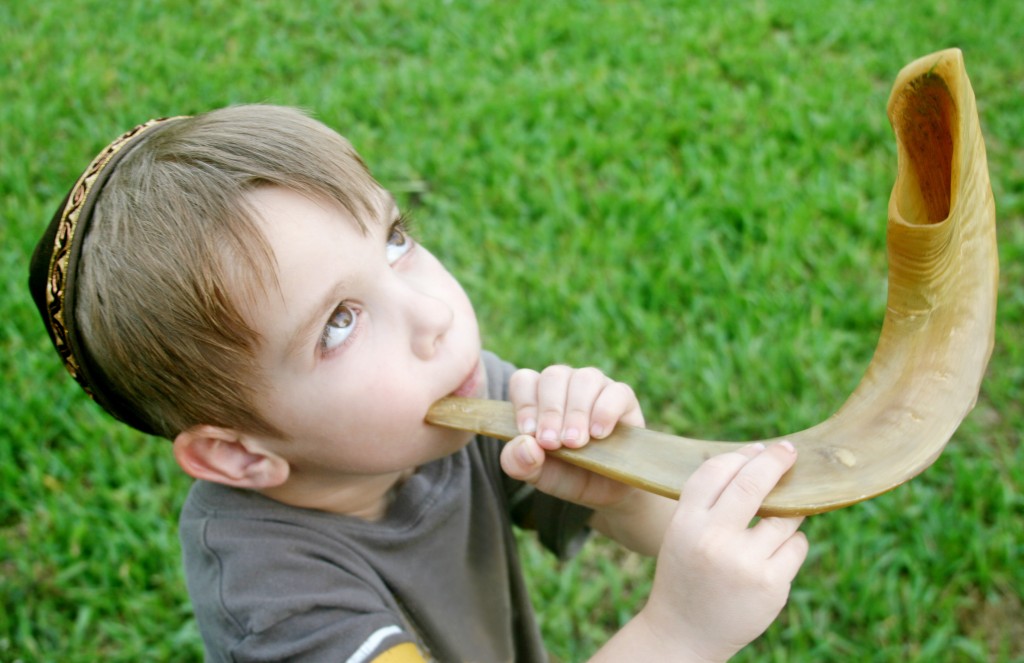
(173, 256)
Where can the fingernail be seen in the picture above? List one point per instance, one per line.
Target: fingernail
(757, 446)
(597, 430)
(548, 435)
(525, 456)
(786, 444)
(529, 427)
(570, 435)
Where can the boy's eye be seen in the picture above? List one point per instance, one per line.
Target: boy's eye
(339, 327)
(399, 243)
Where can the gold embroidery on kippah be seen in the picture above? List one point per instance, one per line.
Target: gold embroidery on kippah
(66, 232)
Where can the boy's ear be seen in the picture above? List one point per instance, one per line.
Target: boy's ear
(224, 456)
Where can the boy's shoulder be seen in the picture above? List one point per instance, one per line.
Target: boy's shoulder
(254, 565)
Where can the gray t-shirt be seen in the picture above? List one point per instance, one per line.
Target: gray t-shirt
(272, 582)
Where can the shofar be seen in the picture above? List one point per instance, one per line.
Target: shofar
(936, 338)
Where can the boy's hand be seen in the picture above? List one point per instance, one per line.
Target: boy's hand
(563, 406)
(567, 406)
(720, 584)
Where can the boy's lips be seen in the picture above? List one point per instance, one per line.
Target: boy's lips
(469, 386)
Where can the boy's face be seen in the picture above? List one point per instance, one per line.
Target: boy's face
(364, 332)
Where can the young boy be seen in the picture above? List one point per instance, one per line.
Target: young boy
(238, 283)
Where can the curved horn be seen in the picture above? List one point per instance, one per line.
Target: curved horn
(936, 338)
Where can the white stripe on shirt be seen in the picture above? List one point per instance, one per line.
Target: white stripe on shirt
(371, 643)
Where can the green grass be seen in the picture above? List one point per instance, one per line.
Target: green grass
(692, 198)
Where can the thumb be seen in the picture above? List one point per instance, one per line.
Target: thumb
(523, 459)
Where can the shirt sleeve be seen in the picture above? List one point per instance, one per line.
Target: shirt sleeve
(263, 592)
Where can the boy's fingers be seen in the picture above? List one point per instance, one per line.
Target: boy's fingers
(522, 391)
(522, 459)
(551, 393)
(704, 487)
(566, 406)
(771, 533)
(741, 498)
(791, 555)
(585, 386)
(616, 404)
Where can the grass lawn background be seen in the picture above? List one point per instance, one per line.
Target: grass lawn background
(691, 198)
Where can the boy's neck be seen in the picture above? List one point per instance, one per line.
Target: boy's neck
(367, 498)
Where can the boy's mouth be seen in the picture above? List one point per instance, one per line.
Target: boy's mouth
(469, 386)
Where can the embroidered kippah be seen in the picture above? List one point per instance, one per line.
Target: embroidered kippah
(52, 271)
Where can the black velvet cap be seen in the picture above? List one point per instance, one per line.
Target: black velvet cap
(53, 270)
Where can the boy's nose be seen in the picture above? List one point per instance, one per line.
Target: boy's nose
(430, 318)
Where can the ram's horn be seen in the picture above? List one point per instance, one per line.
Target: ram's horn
(935, 342)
